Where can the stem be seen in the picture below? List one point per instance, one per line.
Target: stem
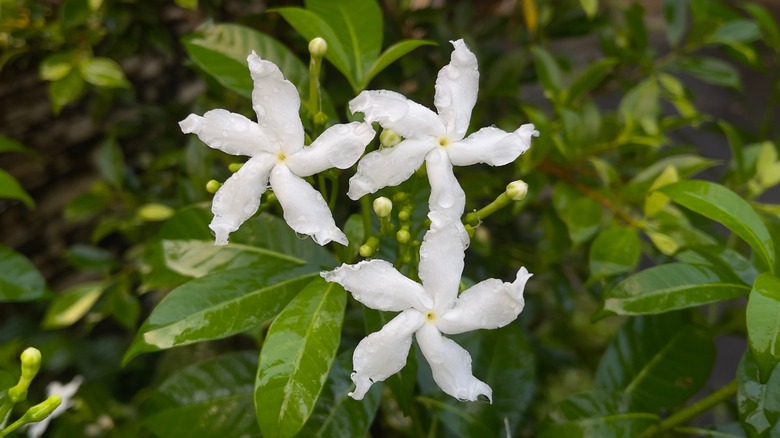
(334, 192)
(365, 212)
(315, 66)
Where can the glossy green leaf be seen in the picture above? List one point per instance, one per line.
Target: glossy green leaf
(65, 90)
(110, 161)
(758, 397)
(390, 55)
(208, 399)
(547, 71)
(614, 251)
(56, 66)
(221, 51)
(358, 25)
(103, 72)
(670, 287)
(768, 23)
(686, 165)
(581, 214)
(722, 205)
(659, 361)
(11, 189)
(596, 414)
(736, 31)
(216, 306)
(721, 259)
(196, 258)
(590, 78)
(676, 16)
(72, 304)
(710, 70)
(19, 279)
(8, 144)
(296, 358)
(311, 26)
(763, 321)
(337, 414)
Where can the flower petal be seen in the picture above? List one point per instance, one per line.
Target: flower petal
(456, 90)
(489, 304)
(447, 197)
(276, 103)
(492, 146)
(305, 210)
(394, 111)
(382, 354)
(389, 166)
(451, 365)
(378, 285)
(339, 146)
(441, 260)
(239, 197)
(228, 132)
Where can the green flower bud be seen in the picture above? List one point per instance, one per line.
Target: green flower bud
(31, 363)
(517, 190)
(213, 185)
(366, 251)
(320, 118)
(400, 197)
(43, 409)
(403, 236)
(235, 167)
(383, 206)
(318, 47)
(155, 212)
(389, 138)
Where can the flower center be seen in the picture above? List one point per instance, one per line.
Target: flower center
(280, 157)
(444, 141)
(430, 316)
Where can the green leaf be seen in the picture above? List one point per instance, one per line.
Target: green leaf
(390, 55)
(767, 22)
(72, 304)
(103, 72)
(581, 214)
(208, 399)
(721, 259)
(196, 258)
(710, 70)
(670, 287)
(111, 162)
(763, 321)
(311, 26)
(758, 397)
(659, 361)
(590, 78)
(336, 414)
(90, 257)
(296, 358)
(590, 7)
(736, 31)
(11, 189)
(221, 51)
(356, 234)
(676, 16)
(216, 306)
(187, 4)
(548, 72)
(56, 66)
(722, 205)
(616, 250)
(19, 280)
(641, 104)
(65, 90)
(686, 165)
(359, 27)
(456, 417)
(8, 144)
(596, 414)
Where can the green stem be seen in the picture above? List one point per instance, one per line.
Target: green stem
(500, 202)
(334, 192)
(315, 66)
(365, 212)
(694, 410)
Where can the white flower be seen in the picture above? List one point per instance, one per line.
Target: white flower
(428, 310)
(275, 145)
(67, 392)
(434, 138)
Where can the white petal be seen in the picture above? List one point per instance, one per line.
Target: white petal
(276, 103)
(305, 210)
(487, 305)
(239, 197)
(339, 146)
(389, 166)
(492, 146)
(441, 260)
(394, 111)
(228, 132)
(383, 353)
(447, 196)
(456, 90)
(67, 392)
(378, 285)
(451, 365)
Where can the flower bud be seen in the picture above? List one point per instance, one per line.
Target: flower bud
(43, 409)
(235, 167)
(318, 47)
(31, 363)
(400, 197)
(403, 237)
(320, 118)
(366, 251)
(155, 212)
(389, 138)
(517, 190)
(383, 206)
(213, 185)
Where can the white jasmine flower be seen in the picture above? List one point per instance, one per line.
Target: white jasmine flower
(434, 138)
(428, 310)
(67, 392)
(277, 154)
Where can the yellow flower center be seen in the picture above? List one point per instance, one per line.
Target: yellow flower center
(280, 157)
(430, 316)
(444, 141)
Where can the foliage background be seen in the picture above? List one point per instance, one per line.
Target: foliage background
(106, 166)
